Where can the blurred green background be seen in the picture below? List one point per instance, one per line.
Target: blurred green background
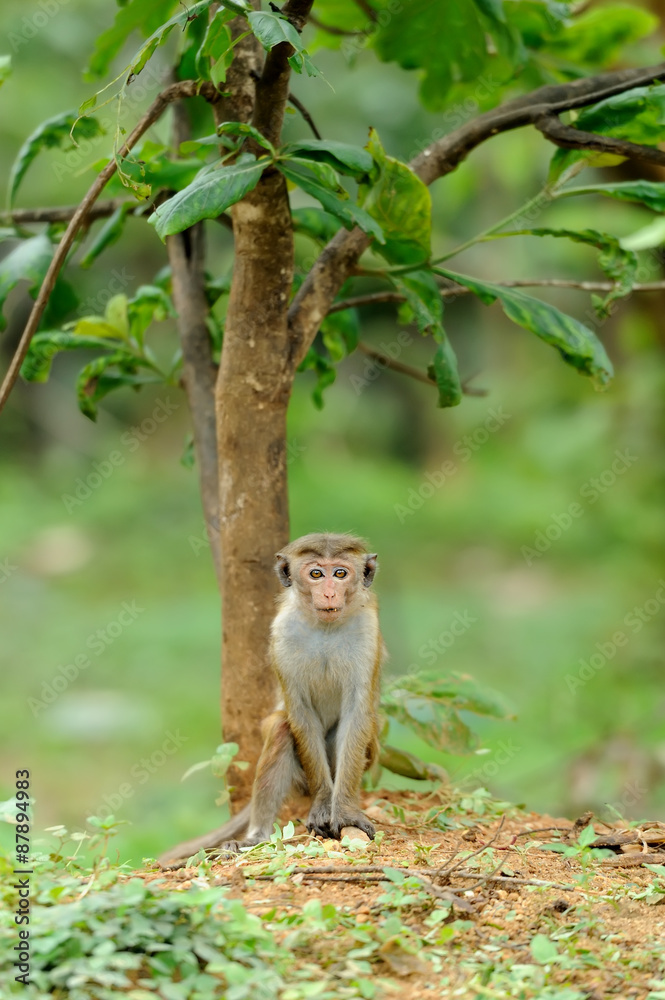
(146, 707)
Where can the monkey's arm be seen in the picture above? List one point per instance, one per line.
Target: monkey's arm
(310, 743)
(356, 736)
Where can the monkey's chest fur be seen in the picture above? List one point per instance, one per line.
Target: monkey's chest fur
(331, 665)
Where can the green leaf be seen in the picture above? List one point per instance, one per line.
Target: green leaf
(271, 29)
(182, 19)
(29, 261)
(597, 37)
(449, 42)
(637, 115)
(649, 193)
(216, 49)
(617, 262)
(315, 223)
(543, 950)
(578, 345)
(400, 202)
(109, 234)
(244, 130)
(137, 15)
(213, 190)
(352, 160)
(148, 170)
(461, 691)
(340, 332)
(587, 836)
(444, 372)
(101, 376)
(325, 374)
(311, 178)
(51, 134)
(423, 298)
(646, 237)
(5, 68)
(44, 346)
(150, 304)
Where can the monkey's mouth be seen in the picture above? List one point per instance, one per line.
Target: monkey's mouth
(329, 611)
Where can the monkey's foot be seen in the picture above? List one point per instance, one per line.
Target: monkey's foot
(332, 826)
(357, 819)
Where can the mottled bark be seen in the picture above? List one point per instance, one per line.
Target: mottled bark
(252, 396)
(187, 256)
(253, 391)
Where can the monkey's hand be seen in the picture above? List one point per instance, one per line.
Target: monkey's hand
(320, 818)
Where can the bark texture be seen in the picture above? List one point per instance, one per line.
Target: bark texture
(187, 255)
(252, 394)
(253, 390)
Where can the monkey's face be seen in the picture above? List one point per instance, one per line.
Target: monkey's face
(330, 585)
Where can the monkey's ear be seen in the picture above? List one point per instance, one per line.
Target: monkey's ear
(370, 569)
(282, 570)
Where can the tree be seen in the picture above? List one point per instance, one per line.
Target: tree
(229, 91)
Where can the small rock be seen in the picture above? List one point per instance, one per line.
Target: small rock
(354, 833)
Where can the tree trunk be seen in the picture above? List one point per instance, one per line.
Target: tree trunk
(253, 389)
(187, 258)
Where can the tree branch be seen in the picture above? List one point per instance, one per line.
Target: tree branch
(22, 216)
(187, 88)
(398, 366)
(272, 87)
(305, 113)
(339, 257)
(186, 253)
(330, 28)
(444, 155)
(574, 138)
(376, 298)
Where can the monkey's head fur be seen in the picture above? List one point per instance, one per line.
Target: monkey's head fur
(330, 573)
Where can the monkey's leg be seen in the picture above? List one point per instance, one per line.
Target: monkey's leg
(277, 773)
(354, 736)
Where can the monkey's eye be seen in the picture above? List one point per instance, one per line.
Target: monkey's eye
(340, 574)
(316, 574)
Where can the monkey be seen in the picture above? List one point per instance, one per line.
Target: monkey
(326, 650)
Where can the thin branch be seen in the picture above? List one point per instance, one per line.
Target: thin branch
(187, 88)
(366, 8)
(447, 872)
(376, 298)
(574, 138)
(330, 28)
(396, 366)
(340, 256)
(186, 253)
(444, 155)
(272, 87)
(305, 113)
(376, 872)
(22, 216)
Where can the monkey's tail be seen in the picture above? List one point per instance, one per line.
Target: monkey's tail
(230, 831)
